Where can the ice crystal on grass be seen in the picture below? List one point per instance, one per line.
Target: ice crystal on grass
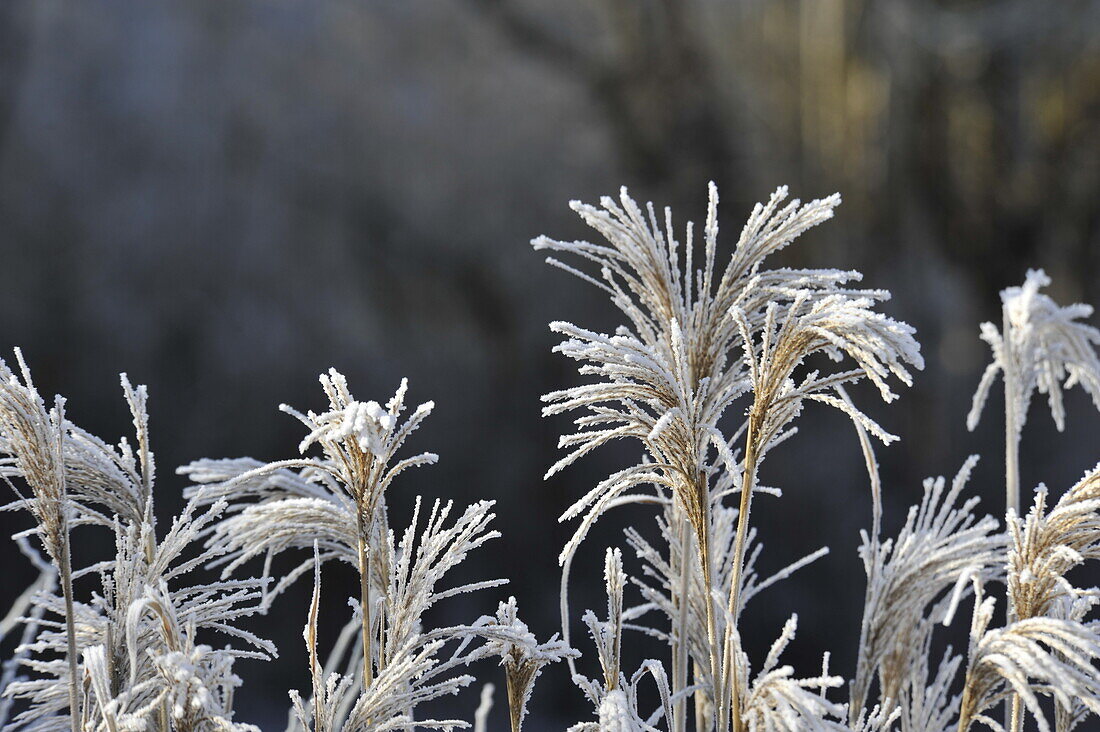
(926, 702)
(775, 700)
(660, 585)
(144, 613)
(117, 712)
(668, 377)
(336, 506)
(522, 657)
(1046, 545)
(921, 574)
(1041, 656)
(105, 481)
(1041, 346)
(837, 324)
(34, 439)
(413, 664)
(337, 502)
(132, 631)
(616, 698)
(698, 337)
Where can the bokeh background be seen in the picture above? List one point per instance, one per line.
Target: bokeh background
(226, 197)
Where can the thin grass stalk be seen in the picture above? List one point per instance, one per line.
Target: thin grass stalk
(873, 476)
(712, 633)
(1017, 718)
(679, 640)
(311, 642)
(1014, 713)
(66, 576)
(964, 721)
(65, 572)
(700, 704)
(481, 715)
(364, 600)
(748, 482)
(381, 637)
(855, 707)
(705, 560)
(1012, 432)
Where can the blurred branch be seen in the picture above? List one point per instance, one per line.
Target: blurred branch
(1014, 25)
(530, 37)
(655, 90)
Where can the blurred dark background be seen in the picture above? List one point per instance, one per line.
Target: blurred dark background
(225, 197)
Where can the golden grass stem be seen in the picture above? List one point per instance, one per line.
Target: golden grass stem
(364, 600)
(679, 641)
(748, 481)
(712, 633)
(66, 572)
(1017, 723)
(311, 643)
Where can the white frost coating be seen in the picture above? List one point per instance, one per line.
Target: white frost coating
(1028, 657)
(776, 700)
(330, 501)
(669, 376)
(916, 577)
(660, 581)
(1046, 544)
(1041, 346)
(521, 655)
(615, 697)
(336, 504)
(414, 663)
(697, 337)
(834, 322)
(485, 705)
(367, 422)
(137, 630)
(616, 714)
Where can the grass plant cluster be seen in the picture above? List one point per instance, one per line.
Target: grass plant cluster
(717, 356)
